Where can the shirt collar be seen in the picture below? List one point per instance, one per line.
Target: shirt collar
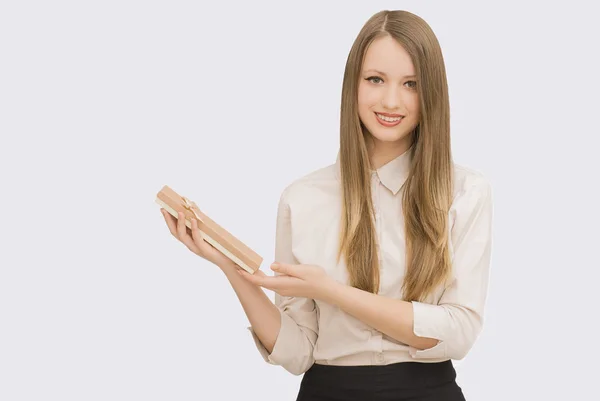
(392, 174)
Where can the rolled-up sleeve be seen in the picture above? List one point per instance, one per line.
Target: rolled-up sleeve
(293, 349)
(457, 320)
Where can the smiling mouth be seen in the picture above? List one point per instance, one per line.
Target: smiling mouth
(390, 119)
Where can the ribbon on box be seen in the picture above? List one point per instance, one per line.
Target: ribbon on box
(191, 206)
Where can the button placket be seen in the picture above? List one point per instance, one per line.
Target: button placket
(377, 201)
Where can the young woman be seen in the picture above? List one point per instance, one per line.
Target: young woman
(383, 257)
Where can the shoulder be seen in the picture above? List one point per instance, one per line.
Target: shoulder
(312, 186)
(470, 182)
(472, 196)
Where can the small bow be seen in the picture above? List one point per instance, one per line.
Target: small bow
(191, 206)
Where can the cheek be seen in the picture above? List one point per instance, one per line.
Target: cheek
(366, 98)
(413, 105)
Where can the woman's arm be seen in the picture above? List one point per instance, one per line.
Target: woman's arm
(284, 333)
(448, 329)
(263, 315)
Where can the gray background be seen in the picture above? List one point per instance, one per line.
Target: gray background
(102, 103)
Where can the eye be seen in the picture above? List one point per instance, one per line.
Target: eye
(413, 84)
(371, 78)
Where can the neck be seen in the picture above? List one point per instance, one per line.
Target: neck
(381, 153)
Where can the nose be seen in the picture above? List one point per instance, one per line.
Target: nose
(391, 98)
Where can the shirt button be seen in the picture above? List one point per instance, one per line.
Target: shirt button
(379, 357)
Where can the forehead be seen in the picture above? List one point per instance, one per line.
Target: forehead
(385, 54)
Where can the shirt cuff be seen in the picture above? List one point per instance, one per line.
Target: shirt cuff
(425, 317)
(261, 348)
(284, 351)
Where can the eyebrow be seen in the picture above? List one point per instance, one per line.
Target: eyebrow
(383, 73)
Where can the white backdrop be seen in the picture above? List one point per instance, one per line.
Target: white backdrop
(102, 103)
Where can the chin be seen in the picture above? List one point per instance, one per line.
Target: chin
(387, 134)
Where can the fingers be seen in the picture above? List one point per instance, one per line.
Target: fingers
(283, 268)
(255, 278)
(259, 273)
(277, 267)
(183, 234)
(281, 284)
(193, 239)
(178, 229)
(274, 283)
(174, 224)
(170, 220)
(261, 280)
(198, 239)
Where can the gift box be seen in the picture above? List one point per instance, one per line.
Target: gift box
(210, 231)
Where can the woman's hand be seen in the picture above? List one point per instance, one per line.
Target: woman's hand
(306, 281)
(193, 240)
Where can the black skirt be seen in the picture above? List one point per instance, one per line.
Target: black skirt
(396, 382)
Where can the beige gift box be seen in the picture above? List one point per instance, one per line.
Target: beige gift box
(210, 231)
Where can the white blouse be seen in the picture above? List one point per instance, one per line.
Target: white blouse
(308, 220)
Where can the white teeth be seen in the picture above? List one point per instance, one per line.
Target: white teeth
(389, 119)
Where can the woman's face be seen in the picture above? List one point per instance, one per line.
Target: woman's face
(387, 90)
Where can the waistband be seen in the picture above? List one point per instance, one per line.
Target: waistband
(397, 375)
(373, 358)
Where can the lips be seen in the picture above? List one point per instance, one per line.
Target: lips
(390, 115)
(385, 123)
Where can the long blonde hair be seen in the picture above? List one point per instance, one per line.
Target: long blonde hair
(427, 191)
